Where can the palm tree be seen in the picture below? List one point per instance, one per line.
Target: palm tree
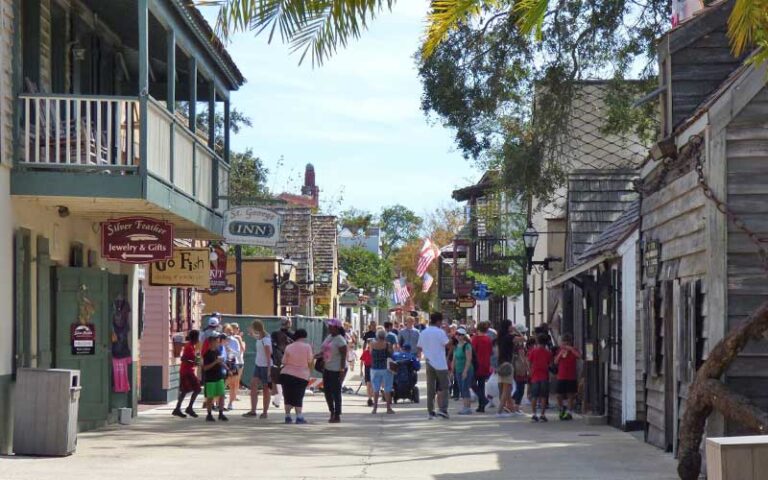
(317, 28)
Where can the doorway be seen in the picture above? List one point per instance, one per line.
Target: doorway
(84, 297)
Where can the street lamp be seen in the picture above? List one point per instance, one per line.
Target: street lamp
(530, 237)
(286, 266)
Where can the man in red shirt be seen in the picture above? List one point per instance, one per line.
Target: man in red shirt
(567, 384)
(482, 348)
(540, 358)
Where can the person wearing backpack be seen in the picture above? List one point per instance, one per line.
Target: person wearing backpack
(464, 369)
(482, 347)
(522, 372)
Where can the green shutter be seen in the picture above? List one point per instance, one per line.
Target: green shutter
(44, 333)
(22, 299)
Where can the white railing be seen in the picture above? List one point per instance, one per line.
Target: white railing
(103, 133)
(82, 131)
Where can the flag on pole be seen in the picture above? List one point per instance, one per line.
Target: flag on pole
(401, 293)
(429, 252)
(427, 281)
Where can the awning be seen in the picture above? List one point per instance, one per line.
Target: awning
(579, 269)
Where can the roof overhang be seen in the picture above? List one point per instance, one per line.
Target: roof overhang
(579, 269)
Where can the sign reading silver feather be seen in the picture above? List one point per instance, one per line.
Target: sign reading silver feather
(251, 226)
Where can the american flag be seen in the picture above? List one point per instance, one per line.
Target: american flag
(429, 252)
(401, 293)
(426, 282)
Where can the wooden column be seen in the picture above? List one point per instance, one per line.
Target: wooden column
(226, 130)
(143, 29)
(171, 73)
(192, 93)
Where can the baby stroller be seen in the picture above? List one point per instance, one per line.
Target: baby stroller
(406, 376)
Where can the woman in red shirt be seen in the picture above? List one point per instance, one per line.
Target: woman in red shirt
(188, 375)
(482, 346)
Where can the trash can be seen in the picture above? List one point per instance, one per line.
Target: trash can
(45, 411)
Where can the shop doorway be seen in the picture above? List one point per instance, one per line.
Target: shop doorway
(83, 299)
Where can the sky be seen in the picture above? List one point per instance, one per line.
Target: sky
(356, 118)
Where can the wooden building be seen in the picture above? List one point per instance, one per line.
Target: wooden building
(701, 273)
(603, 216)
(92, 131)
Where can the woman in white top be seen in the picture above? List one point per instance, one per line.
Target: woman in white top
(261, 371)
(234, 348)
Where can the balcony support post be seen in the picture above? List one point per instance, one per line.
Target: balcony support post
(143, 29)
(212, 144)
(193, 94)
(226, 130)
(171, 74)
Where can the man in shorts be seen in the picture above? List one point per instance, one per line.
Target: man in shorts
(213, 377)
(567, 385)
(540, 358)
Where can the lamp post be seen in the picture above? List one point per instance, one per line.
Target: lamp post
(286, 266)
(530, 239)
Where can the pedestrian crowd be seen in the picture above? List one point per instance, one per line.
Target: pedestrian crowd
(471, 364)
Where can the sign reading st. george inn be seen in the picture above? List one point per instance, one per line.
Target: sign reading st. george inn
(251, 226)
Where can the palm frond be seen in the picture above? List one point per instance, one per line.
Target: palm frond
(531, 15)
(748, 24)
(314, 28)
(447, 15)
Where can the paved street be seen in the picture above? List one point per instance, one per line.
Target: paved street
(402, 446)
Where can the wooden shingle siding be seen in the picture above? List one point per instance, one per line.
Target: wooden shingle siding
(589, 192)
(697, 70)
(747, 281)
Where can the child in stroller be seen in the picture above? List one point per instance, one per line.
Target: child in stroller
(406, 376)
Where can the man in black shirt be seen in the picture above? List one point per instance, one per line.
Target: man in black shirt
(213, 376)
(371, 333)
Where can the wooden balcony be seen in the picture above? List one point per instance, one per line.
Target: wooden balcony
(488, 255)
(99, 154)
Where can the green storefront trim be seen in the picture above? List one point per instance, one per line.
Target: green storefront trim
(6, 414)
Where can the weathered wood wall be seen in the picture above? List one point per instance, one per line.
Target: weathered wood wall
(747, 189)
(674, 216)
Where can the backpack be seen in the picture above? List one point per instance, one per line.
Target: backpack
(518, 364)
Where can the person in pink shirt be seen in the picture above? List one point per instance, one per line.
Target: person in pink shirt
(294, 376)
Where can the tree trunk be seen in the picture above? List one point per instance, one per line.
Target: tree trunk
(707, 393)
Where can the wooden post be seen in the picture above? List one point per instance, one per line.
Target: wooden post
(171, 73)
(192, 93)
(212, 117)
(143, 28)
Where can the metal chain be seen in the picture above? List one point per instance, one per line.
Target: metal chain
(694, 150)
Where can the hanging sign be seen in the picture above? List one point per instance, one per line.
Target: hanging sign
(251, 226)
(480, 292)
(467, 302)
(83, 337)
(136, 240)
(289, 294)
(652, 254)
(219, 269)
(189, 267)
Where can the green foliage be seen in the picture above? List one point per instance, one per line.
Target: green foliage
(365, 269)
(487, 78)
(399, 226)
(501, 285)
(247, 179)
(314, 28)
(355, 220)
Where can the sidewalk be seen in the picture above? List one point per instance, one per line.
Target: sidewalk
(402, 446)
